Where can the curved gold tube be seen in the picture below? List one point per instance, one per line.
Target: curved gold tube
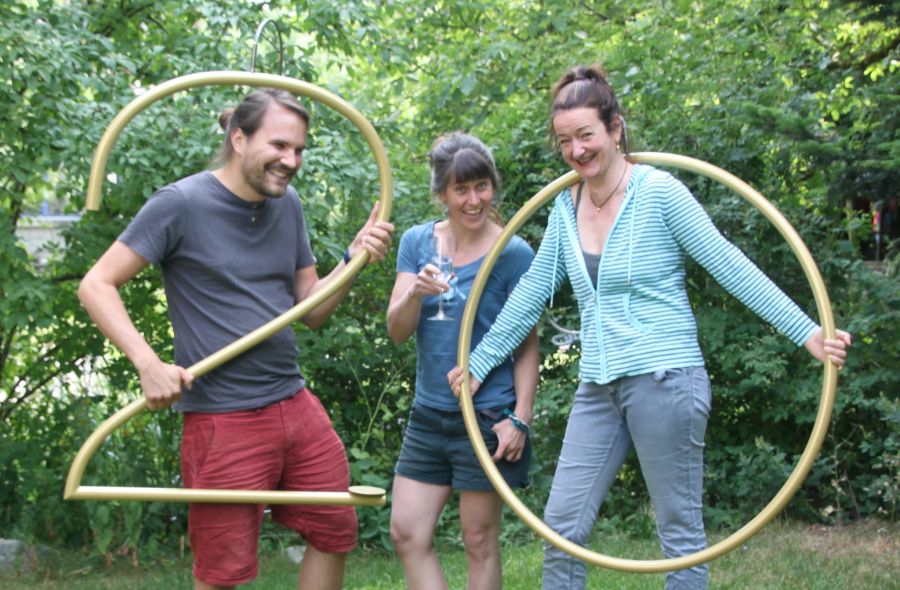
(358, 495)
(823, 415)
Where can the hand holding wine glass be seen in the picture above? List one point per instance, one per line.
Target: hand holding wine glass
(442, 259)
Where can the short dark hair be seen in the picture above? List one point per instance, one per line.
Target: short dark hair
(249, 114)
(585, 87)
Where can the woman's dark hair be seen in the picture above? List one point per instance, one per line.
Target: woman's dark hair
(586, 87)
(460, 157)
(249, 114)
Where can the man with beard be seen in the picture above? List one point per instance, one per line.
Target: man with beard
(234, 253)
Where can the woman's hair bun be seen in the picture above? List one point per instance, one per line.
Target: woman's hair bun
(225, 118)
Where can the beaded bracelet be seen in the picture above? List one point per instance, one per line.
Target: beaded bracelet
(519, 424)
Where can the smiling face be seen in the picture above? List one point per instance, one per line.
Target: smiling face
(270, 157)
(468, 203)
(585, 142)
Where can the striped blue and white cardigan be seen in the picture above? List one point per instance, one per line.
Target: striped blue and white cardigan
(637, 319)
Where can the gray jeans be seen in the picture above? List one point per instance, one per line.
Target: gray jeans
(663, 416)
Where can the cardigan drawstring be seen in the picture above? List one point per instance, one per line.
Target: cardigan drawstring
(555, 263)
(631, 237)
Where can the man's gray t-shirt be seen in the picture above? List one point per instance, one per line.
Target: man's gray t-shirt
(228, 268)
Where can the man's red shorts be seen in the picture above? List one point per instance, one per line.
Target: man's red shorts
(288, 445)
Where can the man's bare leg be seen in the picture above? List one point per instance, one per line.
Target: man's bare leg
(320, 570)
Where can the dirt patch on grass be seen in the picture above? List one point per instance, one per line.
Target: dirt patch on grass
(871, 537)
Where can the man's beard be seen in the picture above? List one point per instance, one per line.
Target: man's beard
(257, 180)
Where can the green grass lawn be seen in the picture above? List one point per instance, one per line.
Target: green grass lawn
(783, 556)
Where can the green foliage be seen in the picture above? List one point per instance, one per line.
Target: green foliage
(799, 99)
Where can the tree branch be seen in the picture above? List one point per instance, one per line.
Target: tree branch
(67, 277)
(126, 12)
(7, 346)
(867, 60)
(10, 406)
(593, 11)
(40, 360)
(16, 205)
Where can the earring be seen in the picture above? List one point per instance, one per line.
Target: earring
(618, 147)
(445, 210)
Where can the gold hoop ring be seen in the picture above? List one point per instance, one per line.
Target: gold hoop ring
(356, 495)
(826, 402)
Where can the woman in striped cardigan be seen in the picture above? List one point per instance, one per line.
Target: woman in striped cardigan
(620, 237)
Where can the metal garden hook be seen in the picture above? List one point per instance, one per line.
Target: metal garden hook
(564, 337)
(256, 38)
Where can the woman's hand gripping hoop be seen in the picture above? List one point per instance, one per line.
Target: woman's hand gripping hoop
(826, 401)
(356, 495)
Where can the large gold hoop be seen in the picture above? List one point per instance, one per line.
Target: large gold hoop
(826, 402)
(356, 495)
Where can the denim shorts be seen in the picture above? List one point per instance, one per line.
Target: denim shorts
(437, 450)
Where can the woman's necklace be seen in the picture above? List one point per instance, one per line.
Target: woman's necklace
(609, 196)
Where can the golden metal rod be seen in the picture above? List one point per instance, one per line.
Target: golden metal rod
(73, 489)
(227, 496)
(823, 415)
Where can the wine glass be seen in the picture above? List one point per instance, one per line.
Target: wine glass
(443, 246)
